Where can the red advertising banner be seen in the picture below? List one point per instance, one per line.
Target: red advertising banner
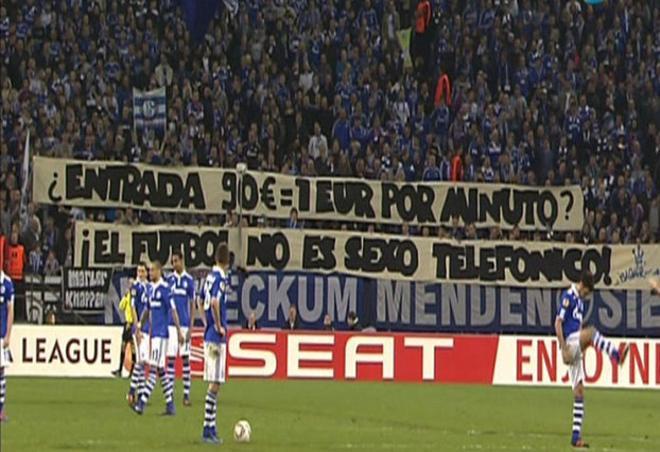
(356, 356)
(362, 356)
(483, 359)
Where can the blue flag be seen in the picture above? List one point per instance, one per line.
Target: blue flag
(149, 109)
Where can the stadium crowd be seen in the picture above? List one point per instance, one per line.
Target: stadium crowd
(542, 93)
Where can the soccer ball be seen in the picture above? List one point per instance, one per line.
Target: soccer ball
(242, 431)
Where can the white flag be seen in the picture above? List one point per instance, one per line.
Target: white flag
(25, 174)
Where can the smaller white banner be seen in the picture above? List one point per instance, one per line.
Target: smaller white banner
(536, 360)
(64, 351)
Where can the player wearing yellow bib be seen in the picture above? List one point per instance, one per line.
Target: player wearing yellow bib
(127, 334)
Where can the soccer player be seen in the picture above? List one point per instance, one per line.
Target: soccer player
(6, 323)
(215, 338)
(139, 305)
(574, 339)
(126, 335)
(160, 307)
(182, 286)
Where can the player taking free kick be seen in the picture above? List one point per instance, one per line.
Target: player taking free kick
(215, 338)
(574, 339)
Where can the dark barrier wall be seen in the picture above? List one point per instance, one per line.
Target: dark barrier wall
(407, 306)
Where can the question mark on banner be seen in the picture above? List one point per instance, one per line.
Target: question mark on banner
(51, 189)
(567, 193)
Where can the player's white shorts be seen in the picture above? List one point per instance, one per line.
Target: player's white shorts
(575, 368)
(5, 356)
(142, 350)
(215, 357)
(158, 352)
(173, 348)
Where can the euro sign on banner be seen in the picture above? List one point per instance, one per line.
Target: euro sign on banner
(149, 109)
(215, 190)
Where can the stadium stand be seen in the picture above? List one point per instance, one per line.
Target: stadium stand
(528, 92)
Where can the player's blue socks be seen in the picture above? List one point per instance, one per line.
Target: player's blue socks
(171, 373)
(142, 383)
(136, 379)
(209, 414)
(186, 378)
(605, 345)
(578, 416)
(166, 383)
(3, 388)
(149, 387)
(168, 386)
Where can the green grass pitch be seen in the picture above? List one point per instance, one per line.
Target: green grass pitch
(92, 415)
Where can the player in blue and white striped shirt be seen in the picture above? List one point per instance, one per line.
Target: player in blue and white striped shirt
(161, 306)
(6, 323)
(215, 338)
(574, 339)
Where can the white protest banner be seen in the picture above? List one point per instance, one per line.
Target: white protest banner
(215, 191)
(392, 257)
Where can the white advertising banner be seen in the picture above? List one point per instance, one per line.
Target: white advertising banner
(64, 351)
(536, 361)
